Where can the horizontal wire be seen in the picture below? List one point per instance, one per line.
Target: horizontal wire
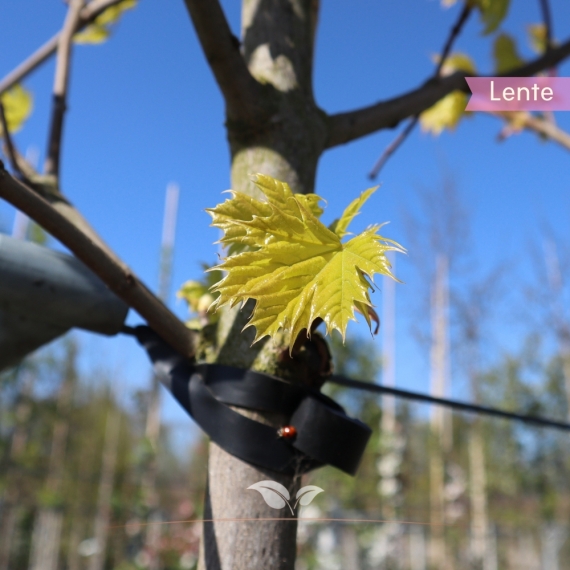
(455, 404)
(283, 519)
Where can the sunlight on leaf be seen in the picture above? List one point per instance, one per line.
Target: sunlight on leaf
(18, 105)
(199, 299)
(492, 13)
(447, 112)
(340, 225)
(300, 270)
(192, 292)
(92, 34)
(505, 54)
(537, 37)
(457, 62)
(99, 31)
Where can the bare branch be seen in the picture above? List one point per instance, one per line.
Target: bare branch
(346, 127)
(10, 149)
(400, 139)
(61, 82)
(27, 66)
(547, 20)
(88, 14)
(393, 147)
(523, 120)
(240, 89)
(116, 275)
(453, 35)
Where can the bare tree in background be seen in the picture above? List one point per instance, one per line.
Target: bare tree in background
(439, 219)
(48, 521)
(475, 306)
(105, 491)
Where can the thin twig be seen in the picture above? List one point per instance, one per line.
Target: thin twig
(351, 125)
(88, 14)
(453, 35)
(393, 147)
(61, 82)
(10, 149)
(115, 274)
(533, 123)
(47, 186)
(399, 140)
(547, 21)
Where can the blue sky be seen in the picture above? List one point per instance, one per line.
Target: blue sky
(144, 110)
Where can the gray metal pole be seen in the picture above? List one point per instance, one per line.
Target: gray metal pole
(44, 293)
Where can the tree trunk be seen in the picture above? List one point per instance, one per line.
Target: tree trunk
(277, 46)
(440, 428)
(110, 447)
(478, 492)
(47, 525)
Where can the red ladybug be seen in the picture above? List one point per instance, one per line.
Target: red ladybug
(287, 432)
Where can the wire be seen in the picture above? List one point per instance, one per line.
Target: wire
(454, 404)
(463, 406)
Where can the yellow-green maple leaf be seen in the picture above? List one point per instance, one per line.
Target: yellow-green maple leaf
(492, 13)
(234, 216)
(18, 104)
(537, 37)
(505, 53)
(300, 270)
(340, 226)
(99, 31)
(447, 112)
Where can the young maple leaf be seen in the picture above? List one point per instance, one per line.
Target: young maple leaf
(296, 268)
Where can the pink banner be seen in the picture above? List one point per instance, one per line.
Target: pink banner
(519, 93)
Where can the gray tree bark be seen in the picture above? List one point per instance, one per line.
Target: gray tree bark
(283, 138)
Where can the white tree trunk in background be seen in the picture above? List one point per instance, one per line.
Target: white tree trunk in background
(418, 553)
(46, 540)
(46, 536)
(552, 537)
(102, 518)
(478, 494)
(440, 419)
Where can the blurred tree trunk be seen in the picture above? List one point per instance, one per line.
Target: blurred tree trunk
(152, 429)
(82, 489)
(417, 548)
(440, 424)
(558, 319)
(282, 136)
(478, 492)
(110, 446)
(12, 510)
(48, 522)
